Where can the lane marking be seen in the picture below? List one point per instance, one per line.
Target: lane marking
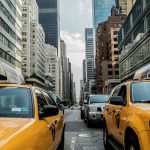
(73, 141)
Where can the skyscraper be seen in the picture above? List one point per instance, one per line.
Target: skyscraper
(101, 10)
(50, 20)
(125, 6)
(10, 33)
(89, 56)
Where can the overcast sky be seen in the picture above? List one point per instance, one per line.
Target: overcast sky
(75, 16)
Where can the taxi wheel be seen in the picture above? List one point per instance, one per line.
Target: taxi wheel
(132, 143)
(106, 137)
(84, 119)
(88, 123)
(61, 145)
(82, 115)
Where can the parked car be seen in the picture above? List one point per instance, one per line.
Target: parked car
(82, 108)
(57, 100)
(94, 108)
(29, 119)
(127, 115)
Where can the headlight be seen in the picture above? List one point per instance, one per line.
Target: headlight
(93, 108)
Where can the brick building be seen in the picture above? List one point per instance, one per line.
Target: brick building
(107, 50)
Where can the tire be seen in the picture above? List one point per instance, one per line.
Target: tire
(82, 115)
(106, 138)
(61, 145)
(85, 119)
(88, 123)
(132, 143)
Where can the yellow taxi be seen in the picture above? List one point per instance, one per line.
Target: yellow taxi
(127, 115)
(29, 119)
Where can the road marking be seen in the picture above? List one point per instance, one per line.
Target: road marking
(73, 141)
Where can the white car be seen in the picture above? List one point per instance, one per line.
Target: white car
(94, 109)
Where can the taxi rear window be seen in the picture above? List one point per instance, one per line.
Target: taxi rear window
(15, 102)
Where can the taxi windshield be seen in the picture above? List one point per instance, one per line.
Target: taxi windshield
(15, 102)
(141, 92)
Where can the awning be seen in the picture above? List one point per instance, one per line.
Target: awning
(9, 74)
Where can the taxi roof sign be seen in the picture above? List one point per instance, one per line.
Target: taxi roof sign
(143, 73)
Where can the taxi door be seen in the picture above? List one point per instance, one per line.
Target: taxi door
(111, 109)
(119, 116)
(45, 131)
(57, 123)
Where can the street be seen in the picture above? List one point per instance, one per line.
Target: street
(78, 136)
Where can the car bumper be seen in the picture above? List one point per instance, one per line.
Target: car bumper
(95, 116)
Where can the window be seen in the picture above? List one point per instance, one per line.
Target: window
(116, 72)
(110, 73)
(116, 52)
(115, 45)
(109, 66)
(116, 91)
(15, 102)
(148, 21)
(115, 39)
(140, 92)
(115, 32)
(49, 99)
(40, 100)
(116, 66)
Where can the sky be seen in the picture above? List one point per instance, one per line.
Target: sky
(75, 16)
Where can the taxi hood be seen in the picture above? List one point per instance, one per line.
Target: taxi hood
(10, 126)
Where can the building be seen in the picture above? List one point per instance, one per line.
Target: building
(10, 35)
(134, 40)
(53, 68)
(101, 11)
(37, 50)
(65, 71)
(50, 20)
(107, 50)
(29, 13)
(89, 54)
(74, 93)
(124, 6)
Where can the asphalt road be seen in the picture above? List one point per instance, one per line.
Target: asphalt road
(78, 136)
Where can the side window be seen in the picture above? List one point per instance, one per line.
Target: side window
(49, 99)
(58, 100)
(116, 91)
(123, 92)
(40, 100)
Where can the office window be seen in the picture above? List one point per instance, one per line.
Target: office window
(148, 21)
(110, 73)
(137, 10)
(140, 29)
(109, 66)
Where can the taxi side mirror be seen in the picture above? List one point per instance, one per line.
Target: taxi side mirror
(48, 111)
(117, 100)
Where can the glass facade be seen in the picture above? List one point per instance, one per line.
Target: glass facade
(50, 21)
(136, 58)
(89, 46)
(101, 10)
